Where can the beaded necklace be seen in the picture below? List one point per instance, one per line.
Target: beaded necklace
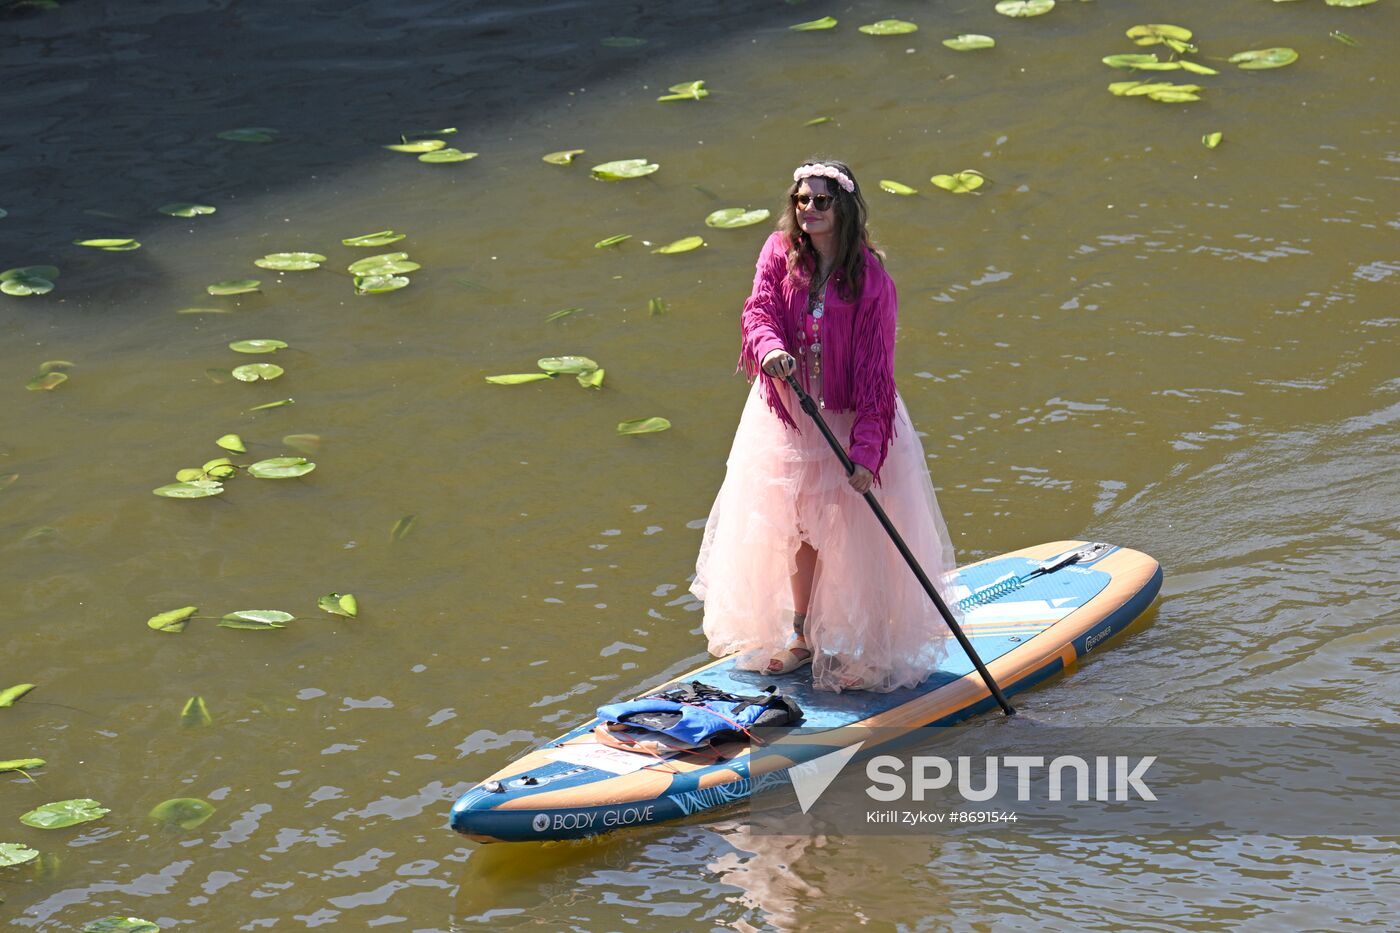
(816, 310)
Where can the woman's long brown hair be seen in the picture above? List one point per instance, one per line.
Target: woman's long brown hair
(852, 237)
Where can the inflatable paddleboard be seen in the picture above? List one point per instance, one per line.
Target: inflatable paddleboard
(1029, 614)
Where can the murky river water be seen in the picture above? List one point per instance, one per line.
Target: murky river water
(1125, 336)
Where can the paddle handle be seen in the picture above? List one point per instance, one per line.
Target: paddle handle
(810, 407)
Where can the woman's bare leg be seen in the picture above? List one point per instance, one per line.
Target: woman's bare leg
(801, 582)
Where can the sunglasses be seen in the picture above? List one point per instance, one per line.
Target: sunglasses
(819, 202)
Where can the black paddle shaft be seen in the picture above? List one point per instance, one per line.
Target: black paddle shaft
(810, 407)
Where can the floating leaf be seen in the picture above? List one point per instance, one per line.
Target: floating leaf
(567, 365)
(515, 379)
(1211, 140)
(49, 366)
(204, 311)
(562, 313)
(382, 238)
(731, 217)
(15, 853)
(563, 156)
(1344, 39)
(63, 813)
(47, 382)
(683, 245)
(612, 240)
(1260, 59)
(256, 620)
(826, 22)
(10, 694)
(420, 145)
(340, 604)
(656, 307)
(249, 134)
(591, 380)
(1131, 60)
(643, 426)
(687, 90)
(109, 244)
(1157, 34)
(969, 42)
(281, 468)
(817, 121)
(402, 527)
(189, 475)
(290, 262)
(1350, 3)
(447, 155)
(379, 284)
(22, 764)
(383, 264)
(276, 404)
(1022, 8)
(1173, 96)
(184, 812)
(233, 287)
(961, 183)
(173, 621)
(197, 489)
(623, 168)
(221, 468)
(186, 210)
(121, 925)
(1196, 69)
(257, 345)
(252, 372)
(195, 713)
(894, 187)
(622, 42)
(28, 280)
(306, 443)
(889, 27)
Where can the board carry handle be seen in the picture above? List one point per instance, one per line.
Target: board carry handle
(810, 407)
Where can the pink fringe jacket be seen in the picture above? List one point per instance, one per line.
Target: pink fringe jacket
(857, 340)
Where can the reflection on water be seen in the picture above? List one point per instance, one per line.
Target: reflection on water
(1125, 336)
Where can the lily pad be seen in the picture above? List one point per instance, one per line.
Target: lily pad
(683, 245)
(1260, 59)
(186, 210)
(379, 284)
(730, 217)
(643, 426)
(656, 307)
(258, 345)
(447, 155)
(889, 27)
(232, 442)
(1349, 3)
(252, 372)
(184, 812)
(591, 380)
(418, 145)
(195, 713)
(306, 443)
(173, 621)
(612, 240)
(623, 169)
(969, 42)
(1344, 39)
(382, 238)
(281, 468)
(277, 404)
(257, 620)
(1211, 140)
(290, 262)
(1023, 8)
(567, 365)
(198, 489)
(383, 264)
(826, 22)
(233, 287)
(221, 468)
(963, 182)
(121, 925)
(817, 121)
(563, 156)
(28, 280)
(49, 366)
(562, 313)
(204, 311)
(249, 134)
(1131, 60)
(686, 90)
(22, 764)
(402, 527)
(10, 694)
(111, 245)
(1195, 68)
(1158, 34)
(47, 382)
(340, 604)
(15, 853)
(515, 379)
(894, 187)
(64, 813)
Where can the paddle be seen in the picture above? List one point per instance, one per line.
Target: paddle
(810, 407)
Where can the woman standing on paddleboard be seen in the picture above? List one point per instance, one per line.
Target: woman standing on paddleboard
(794, 569)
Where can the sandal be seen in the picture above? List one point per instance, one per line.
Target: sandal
(795, 654)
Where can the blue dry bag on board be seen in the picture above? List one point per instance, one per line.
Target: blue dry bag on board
(696, 714)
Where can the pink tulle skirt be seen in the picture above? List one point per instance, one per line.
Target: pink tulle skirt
(868, 619)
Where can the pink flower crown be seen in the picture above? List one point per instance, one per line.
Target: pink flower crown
(822, 170)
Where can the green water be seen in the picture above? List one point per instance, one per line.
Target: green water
(1125, 336)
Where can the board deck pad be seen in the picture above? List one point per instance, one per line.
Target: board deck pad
(1029, 631)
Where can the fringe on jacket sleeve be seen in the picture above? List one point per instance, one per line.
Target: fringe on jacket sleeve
(874, 371)
(761, 327)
